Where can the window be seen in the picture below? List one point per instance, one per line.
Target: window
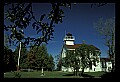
(71, 37)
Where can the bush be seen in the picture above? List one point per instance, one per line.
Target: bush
(17, 75)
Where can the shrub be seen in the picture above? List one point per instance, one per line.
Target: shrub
(17, 75)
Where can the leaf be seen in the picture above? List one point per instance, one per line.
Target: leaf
(61, 20)
(42, 17)
(52, 37)
(11, 35)
(25, 25)
(21, 31)
(28, 22)
(39, 30)
(33, 17)
(17, 42)
(37, 27)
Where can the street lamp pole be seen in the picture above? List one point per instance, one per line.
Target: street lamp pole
(19, 58)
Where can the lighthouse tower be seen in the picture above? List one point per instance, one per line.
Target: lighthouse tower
(69, 39)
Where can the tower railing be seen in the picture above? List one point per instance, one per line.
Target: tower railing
(69, 38)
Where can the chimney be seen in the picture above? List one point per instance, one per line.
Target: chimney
(83, 41)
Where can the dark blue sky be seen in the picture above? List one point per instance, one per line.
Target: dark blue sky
(79, 21)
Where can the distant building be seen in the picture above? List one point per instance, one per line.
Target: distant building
(104, 64)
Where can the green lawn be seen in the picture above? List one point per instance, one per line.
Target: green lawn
(54, 74)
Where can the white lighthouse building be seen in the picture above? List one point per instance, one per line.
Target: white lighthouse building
(69, 44)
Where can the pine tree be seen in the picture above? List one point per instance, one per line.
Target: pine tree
(50, 65)
(9, 63)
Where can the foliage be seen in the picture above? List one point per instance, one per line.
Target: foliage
(31, 59)
(71, 60)
(38, 57)
(20, 15)
(50, 64)
(87, 55)
(81, 57)
(6, 40)
(9, 63)
(17, 75)
(107, 30)
(59, 63)
(41, 56)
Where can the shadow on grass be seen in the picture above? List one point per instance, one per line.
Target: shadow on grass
(68, 75)
(108, 75)
(86, 75)
(83, 75)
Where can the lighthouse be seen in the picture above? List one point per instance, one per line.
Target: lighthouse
(69, 39)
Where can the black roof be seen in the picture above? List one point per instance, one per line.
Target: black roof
(69, 34)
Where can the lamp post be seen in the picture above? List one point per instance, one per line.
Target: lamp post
(19, 58)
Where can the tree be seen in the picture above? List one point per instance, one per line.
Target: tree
(38, 58)
(42, 56)
(50, 64)
(6, 41)
(31, 59)
(59, 62)
(107, 30)
(9, 63)
(20, 15)
(81, 57)
(88, 55)
(71, 60)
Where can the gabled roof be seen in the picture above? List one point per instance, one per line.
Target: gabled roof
(72, 46)
(76, 46)
(95, 47)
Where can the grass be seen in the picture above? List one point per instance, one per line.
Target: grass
(54, 74)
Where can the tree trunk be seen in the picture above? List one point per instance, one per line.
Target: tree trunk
(113, 51)
(113, 67)
(17, 68)
(82, 71)
(74, 72)
(77, 70)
